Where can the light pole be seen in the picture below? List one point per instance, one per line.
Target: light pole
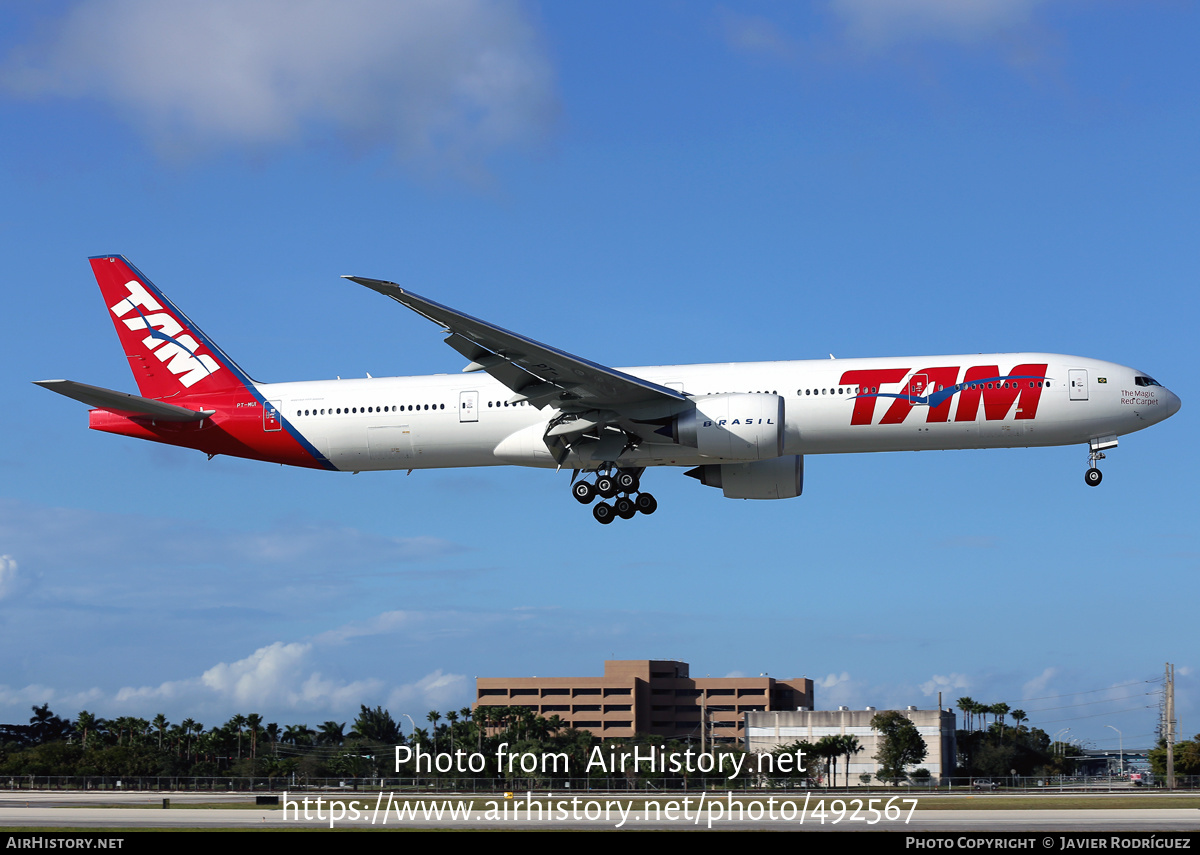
(1121, 746)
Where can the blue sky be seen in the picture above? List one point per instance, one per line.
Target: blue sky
(637, 184)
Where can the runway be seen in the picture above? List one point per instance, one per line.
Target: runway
(565, 811)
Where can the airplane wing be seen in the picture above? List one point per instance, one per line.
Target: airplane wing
(535, 372)
(122, 402)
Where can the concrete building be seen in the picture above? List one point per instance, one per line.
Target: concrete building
(766, 731)
(651, 696)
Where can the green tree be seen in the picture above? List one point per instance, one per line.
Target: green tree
(45, 726)
(237, 723)
(377, 725)
(452, 717)
(1187, 758)
(1000, 710)
(801, 772)
(254, 722)
(850, 746)
(900, 745)
(299, 734)
(160, 724)
(85, 723)
(829, 749)
(433, 718)
(188, 725)
(331, 733)
(967, 705)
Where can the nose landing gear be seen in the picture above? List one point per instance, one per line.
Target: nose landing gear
(624, 484)
(1096, 447)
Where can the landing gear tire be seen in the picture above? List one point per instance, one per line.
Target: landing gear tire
(583, 492)
(625, 508)
(1093, 477)
(646, 503)
(603, 513)
(627, 482)
(606, 487)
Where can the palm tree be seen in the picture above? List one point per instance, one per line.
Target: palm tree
(272, 732)
(298, 734)
(434, 717)
(1000, 710)
(331, 733)
(829, 749)
(160, 724)
(850, 746)
(46, 726)
(967, 705)
(254, 722)
(85, 722)
(483, 715)
(982, 710)
(188, 726)
(238, 722)
(1019, 716)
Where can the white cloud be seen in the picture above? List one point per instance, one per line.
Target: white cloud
(832, 680)
(1037, 685)
(431, 691)
(880, 22)
(941, 683)
(8, 575)
(280, 676)
(33, 694)
(285, 677)
(448, 80)
(262, 677)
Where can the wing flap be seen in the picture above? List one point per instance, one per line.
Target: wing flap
(122, 402)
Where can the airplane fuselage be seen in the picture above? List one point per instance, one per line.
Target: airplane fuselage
(745, 427)
(836, 406)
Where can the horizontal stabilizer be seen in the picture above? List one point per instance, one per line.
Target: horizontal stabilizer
(121, 402)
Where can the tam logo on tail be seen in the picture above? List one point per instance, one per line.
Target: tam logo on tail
(177, 352)
(169, 355)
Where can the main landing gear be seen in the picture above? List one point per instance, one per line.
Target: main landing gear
(618, 484)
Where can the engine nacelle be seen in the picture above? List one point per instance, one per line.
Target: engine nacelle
(781, 478)
(737, 426)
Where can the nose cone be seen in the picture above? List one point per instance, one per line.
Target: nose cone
(1173, 403)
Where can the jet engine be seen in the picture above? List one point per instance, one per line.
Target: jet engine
(738, 426)
(781, 478)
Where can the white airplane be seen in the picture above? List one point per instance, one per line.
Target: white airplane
(744, 427)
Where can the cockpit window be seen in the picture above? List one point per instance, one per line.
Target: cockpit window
(1146, 381)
